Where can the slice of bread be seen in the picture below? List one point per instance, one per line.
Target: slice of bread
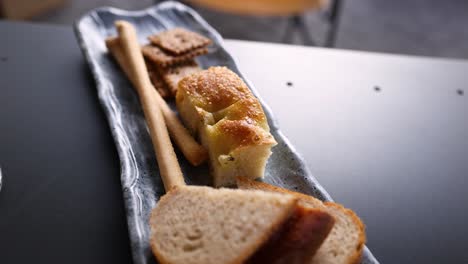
(195, 224)
(297, 240)
(346, 240)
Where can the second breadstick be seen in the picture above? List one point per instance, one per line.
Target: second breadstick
(193, 152)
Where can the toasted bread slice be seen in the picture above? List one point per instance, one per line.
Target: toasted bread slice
(219, 109)
(298, 239)
(346, 240)
(204, 225)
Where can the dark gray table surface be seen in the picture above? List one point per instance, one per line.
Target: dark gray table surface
(397, 155)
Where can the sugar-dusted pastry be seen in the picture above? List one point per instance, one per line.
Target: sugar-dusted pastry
(219, 108)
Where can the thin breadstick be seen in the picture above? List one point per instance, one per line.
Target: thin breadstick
(169, 168)
(113, 45)
(195, 153)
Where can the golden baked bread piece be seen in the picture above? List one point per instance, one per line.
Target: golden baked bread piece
(219, 108)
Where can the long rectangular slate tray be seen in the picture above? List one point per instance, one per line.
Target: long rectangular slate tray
(141, 183)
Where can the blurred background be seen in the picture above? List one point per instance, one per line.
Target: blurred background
(417, 27)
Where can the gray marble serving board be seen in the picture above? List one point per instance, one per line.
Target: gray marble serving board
(141, 183)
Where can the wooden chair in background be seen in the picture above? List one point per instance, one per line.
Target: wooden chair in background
(292, 9)
(27, 9)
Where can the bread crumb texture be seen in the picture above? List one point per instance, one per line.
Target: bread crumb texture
(204, 225)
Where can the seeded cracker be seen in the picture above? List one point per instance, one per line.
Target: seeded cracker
(157, 80)
(179, 41)
(174, 74)
(164, 59)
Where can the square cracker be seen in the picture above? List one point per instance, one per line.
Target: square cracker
(164, 59)
(174, 74)
(158, 81)
(179, 41)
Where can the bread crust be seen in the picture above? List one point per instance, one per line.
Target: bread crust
(276, 226)
(356, 257)
(298, 239)
(215, 89)
(246, 183)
